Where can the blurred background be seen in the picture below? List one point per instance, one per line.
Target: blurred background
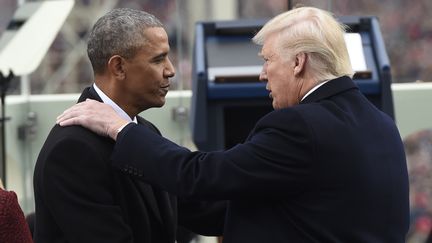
(406, 27)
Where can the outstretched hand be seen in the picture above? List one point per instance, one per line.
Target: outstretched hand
(95, 116)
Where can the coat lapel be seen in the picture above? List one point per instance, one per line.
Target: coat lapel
(148, 193)
(166, 204)
(89, 93)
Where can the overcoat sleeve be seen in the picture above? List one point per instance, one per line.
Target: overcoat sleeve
(274, 161)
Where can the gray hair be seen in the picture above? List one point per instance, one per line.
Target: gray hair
(119, 32)
(315, 32)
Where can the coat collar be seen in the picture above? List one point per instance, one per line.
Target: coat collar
(330, 88)
(89, 93)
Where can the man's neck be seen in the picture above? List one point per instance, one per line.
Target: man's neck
(107, 100)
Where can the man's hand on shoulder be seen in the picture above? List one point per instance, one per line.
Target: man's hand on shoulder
(95, 116)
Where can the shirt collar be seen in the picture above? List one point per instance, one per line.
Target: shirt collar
(314, 88)
(117, 108)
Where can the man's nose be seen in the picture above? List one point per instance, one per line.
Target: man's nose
(263, 75)
(169, 70)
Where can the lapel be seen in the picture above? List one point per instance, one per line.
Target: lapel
(89, 93)
(167, 204)
(330, 88)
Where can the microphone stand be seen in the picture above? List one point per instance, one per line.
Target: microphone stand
(4, 85)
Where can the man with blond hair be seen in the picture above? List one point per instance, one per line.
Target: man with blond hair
(325, 166)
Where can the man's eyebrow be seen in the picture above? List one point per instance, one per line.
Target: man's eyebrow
(162, 55)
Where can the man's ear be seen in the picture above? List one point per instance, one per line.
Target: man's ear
(300, 63)
(116, 67)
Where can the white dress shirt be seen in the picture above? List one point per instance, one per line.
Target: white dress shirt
(117, 108)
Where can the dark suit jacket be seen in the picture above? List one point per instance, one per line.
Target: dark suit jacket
(81, 198)
(331, 169)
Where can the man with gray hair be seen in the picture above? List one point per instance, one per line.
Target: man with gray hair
(79, 196)
(325, 166)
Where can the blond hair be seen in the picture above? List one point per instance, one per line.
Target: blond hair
(315, 32)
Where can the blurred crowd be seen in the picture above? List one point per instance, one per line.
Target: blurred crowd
(406, 29)
(418, 149)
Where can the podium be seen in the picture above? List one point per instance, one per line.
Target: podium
(228, 98)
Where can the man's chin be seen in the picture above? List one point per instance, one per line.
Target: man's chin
(160, 104)
(154, 105)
